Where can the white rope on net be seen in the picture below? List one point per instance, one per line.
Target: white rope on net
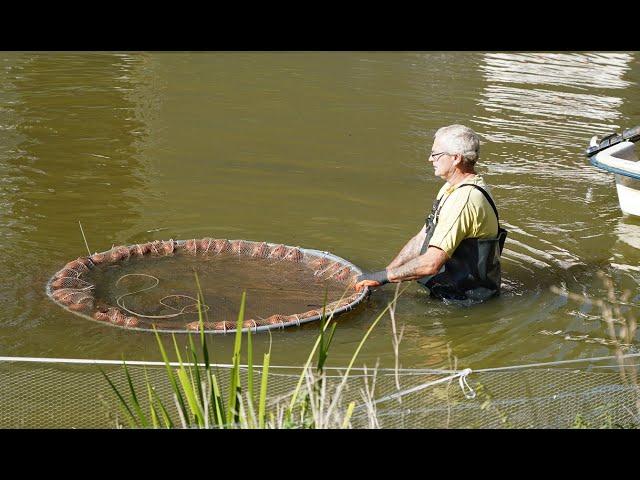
(468, 392)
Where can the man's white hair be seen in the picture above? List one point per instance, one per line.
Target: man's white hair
(458, 139)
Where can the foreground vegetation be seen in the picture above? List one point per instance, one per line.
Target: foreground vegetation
(202, 399)
(202, 402)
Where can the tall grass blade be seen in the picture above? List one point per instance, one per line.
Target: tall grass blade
(249, 367)
(203, 343)
(347, 417)
(124, 407)
(323, 321)
(155, 421)
(181, 413)
(263, 389)
(320, 338)
(200, 297)
(174, 384)
(189, 392)
(296, 391)
(205, 406)
(166, 418)
(214, 402)
(196, 370)
(218, 403)
(134, 399)
(234, 387)
(355, 355)
(187, 386)
(252, 420)
(323, 352)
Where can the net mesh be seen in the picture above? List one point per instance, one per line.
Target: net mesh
(154, 285)
(45, 395)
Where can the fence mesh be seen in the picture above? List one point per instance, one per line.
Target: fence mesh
(46, 395)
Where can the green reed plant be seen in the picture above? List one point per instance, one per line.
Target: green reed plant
(200, 402)
(197, 394)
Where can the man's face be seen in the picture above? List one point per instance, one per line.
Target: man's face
(442, 161)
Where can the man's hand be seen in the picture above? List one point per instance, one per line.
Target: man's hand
(374, 279)
(361, 285)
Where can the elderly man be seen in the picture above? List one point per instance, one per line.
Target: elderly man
(456, 255)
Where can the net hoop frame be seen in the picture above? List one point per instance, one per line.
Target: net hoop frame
(51, 289)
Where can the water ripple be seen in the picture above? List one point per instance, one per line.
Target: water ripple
(551, 100)
(575, 70)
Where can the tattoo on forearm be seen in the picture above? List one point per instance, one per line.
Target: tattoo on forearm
(406, 270)
(410, 251)
(411, 270)
(404, 256)
(413, 249)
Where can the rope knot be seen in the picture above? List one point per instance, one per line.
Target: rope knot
(471, 394)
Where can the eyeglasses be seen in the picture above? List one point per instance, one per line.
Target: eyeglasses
(436, 156)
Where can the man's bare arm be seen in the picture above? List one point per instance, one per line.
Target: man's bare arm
(410, 251)
(421, 266)
(428, 264)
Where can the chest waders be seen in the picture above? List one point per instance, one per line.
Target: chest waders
(473, 271)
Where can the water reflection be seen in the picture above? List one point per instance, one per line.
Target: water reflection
(626, 251)
(71, 130)
(520, 107)
(75, 130)
(582, 71)
(546, 105)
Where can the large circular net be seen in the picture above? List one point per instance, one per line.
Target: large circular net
(156, 285)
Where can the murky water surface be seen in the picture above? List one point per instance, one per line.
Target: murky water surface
(326, 151)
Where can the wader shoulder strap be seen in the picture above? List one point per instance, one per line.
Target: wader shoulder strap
(502, 233)
(486, 195)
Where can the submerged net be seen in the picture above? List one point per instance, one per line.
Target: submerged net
(154, 285)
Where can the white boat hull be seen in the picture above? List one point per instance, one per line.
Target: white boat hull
(621, 159)
(628, 197)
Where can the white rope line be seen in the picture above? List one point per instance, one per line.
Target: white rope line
(617, 366)
(89, 361)
(559, 362)
(413, 371)
(463, 382)
(388, 372)
(182, 311)
(86, 361)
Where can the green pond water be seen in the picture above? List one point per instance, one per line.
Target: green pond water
(325, 150)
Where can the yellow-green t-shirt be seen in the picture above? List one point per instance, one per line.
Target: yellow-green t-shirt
(464, 213)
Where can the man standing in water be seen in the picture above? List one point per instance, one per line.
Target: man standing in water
(456, 255)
